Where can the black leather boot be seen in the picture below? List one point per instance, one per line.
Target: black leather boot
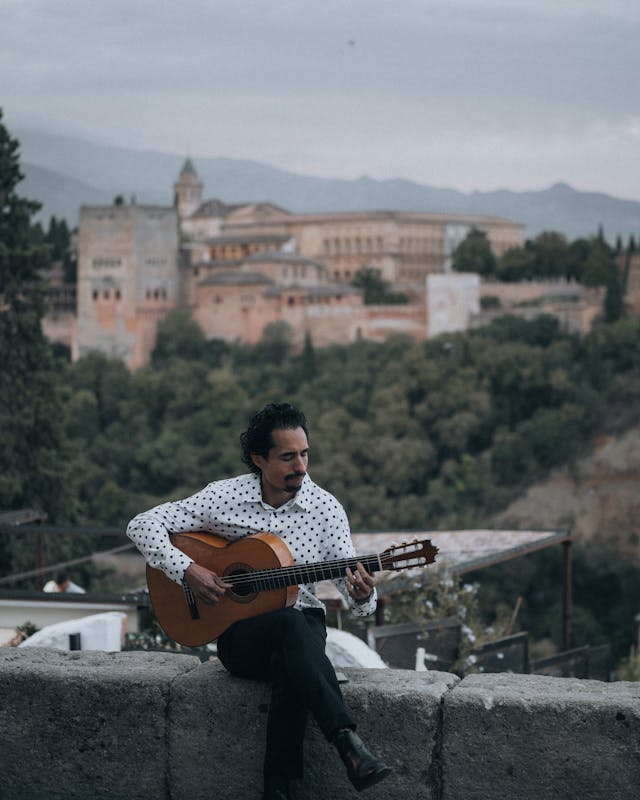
(363, 769)
(276, 788)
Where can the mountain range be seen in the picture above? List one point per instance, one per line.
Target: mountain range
(63, 173)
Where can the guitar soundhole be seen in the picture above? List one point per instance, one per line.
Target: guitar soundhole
(243, 588)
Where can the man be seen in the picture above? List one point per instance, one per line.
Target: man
(63, 583)
(286, 646)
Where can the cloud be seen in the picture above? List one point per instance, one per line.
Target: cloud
(333, 84)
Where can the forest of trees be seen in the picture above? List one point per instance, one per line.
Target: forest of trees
(592, 261)
(440, 434)
(550, 256)
(407, 435)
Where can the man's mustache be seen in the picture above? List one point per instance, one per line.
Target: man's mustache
(295, 475)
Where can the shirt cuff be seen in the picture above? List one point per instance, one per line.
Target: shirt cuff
(364, 608)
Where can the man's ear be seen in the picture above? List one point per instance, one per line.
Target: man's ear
(258, 460)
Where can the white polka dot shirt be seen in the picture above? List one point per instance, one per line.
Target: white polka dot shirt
(312, 524)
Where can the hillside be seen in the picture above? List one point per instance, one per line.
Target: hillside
(597, 499)
(60, 195)
(64, 173)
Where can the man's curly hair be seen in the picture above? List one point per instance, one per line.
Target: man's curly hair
(258, 437)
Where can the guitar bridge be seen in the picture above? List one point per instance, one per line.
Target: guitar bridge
(191, 601)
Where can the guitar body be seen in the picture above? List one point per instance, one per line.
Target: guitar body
(259, 551)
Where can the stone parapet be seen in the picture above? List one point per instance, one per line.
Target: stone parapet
(217, 730)
(533, 737)
(162, 726)
(85, 724)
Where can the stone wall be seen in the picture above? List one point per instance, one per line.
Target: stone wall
(149, 725)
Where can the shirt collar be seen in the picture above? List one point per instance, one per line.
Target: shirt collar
(303, 495)
(251, 484)
(302, 498)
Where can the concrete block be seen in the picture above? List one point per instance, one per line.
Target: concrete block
(218, 727)
(85, 724)
(534, 737)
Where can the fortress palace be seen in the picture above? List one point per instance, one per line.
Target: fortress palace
(237, 268)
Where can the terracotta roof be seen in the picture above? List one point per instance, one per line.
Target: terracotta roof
(22, 516)
(217, 263)
(325, 290)
(235, 278)
(214, 208)
(239, 238)
(382, 215)
(276, 256)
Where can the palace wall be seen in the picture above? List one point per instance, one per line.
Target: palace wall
(237, 306)
(574, 305)
(127, 279)
(632, 296)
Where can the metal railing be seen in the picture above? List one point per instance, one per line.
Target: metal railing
(436, 646)
(580, 662)
(509, 654)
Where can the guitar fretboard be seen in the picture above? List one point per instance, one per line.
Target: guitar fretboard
(281, 577)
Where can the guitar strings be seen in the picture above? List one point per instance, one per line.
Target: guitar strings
(314, 572)
(281, 572)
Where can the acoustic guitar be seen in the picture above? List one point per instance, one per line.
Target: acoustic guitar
(263, 578)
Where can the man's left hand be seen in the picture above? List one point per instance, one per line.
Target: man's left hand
(360, 583)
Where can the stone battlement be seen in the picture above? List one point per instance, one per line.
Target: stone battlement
(163, 726)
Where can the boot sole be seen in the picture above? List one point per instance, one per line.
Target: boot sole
(374, 777)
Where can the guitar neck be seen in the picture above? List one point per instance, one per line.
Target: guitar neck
(329, 570)
(281, 577)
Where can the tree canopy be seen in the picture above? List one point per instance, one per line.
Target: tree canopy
(376, 289)
(474, 254)
(548, 256)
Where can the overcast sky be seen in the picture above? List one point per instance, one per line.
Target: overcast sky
(468, 94)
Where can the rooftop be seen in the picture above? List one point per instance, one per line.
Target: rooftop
(235, 278)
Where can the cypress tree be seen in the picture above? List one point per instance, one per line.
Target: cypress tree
(309, 368)
(31, 474)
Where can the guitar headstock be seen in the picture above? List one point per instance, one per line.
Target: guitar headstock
(408, 555)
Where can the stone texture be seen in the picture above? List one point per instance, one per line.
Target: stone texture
(152, 726)
(218, 724)
(399, 719)
(216, 735)
(85, 724)
(535, 737)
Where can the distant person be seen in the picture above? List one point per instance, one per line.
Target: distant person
(63, 583)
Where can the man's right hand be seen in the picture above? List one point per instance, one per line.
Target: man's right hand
(206, 585)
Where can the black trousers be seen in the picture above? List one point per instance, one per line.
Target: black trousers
(287, 647)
